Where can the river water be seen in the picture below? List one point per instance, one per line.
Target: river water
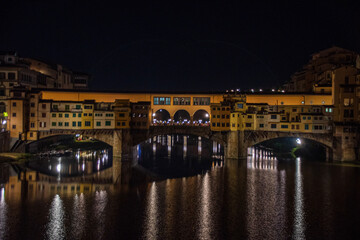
(209, 198)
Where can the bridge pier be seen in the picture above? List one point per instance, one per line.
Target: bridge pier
(236, 146)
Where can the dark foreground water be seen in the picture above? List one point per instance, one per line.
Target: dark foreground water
(237, 199)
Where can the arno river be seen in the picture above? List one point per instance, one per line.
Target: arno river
(180, 188)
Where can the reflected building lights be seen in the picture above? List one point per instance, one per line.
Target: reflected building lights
(151, 219)
(56, 228)
(299, 227)
(205, 221)
(101, 200)
(78, 217)
(185, 147)
(3, 213)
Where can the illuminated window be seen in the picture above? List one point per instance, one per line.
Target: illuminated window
(181, 101)
(201, 101)
(162, 100)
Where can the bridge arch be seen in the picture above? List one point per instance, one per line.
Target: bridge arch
(201, 116)
(253, 138)
(182, 117)
(161, 116)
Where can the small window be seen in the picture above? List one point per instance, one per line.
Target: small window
(74, 124)
(53, 115)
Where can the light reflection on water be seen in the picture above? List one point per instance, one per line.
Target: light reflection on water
(299, 221)
(256, 198)
(56, 227)
(3, 213)
(78, 220)
(152, 218)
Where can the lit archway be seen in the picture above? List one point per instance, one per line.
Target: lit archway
(182, 117)
(161, 116)
(201, 117)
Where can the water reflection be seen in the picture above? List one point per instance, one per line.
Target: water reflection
(101, 200)
(151, 218)
(299, 227)
(73, 164)
(178, 155)
(56, 227)
(78, 219)
(3, 213)
(205, 221)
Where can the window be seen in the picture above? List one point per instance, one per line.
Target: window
(67, 107)
(348, 113)
(87, 107)
(309, 118)
(248, 125)
(60, 124)
(213, 124)
(43, 106)
(44, 115)
(32, 104)
(2, 75)
(181, 101)
(78, 106)
(121, 114)
(32, 125)
(273, 125)
(123, 124)
(85, 114)
(223, 124)
(11, 76)
(31, 134)
(53, 124)
(348, 102)
(14, 114)
(117, 123)
(66, 124)
(74, 124)
(284, 126)
(14, 104)
(53, 115)
(79, 114)
(98, 124)
(162, 100)
(249, 116)
(261, 125)
(74, 114)
(87, 123)
(79, 124)
(107, 123)
(240, 105)
(306, 126)
(273, 117)
(201, 101)
(90, 114)
(218, 124)
(66, 115)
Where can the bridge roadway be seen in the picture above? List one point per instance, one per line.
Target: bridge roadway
(235, 142)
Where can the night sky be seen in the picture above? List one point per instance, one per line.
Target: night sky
(190, 46)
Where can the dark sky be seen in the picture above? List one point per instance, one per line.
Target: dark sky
(179, 45)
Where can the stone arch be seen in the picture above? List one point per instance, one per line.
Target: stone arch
(201, 116)
(161, 116)
(324, 140)
(182, 117)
